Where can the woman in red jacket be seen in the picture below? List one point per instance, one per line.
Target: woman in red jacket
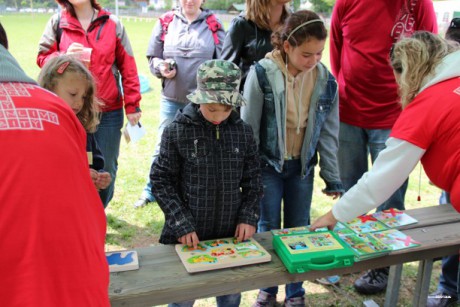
(84, 24)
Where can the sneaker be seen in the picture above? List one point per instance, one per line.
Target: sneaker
(265, 299)
(141, 202)
(373, 281)
(440, 299)
(295, 302)
(329, 280)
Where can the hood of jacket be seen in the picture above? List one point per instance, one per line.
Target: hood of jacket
(203, 15)
(191, 114)
(447, 69)
(10, 71)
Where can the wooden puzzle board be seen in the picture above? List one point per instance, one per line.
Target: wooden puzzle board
(122, 260)
(221, 253)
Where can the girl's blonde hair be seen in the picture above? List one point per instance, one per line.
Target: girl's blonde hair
(415, 59)
(55, 68)
(258, 11)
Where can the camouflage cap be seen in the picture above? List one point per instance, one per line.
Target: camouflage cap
(218, 81)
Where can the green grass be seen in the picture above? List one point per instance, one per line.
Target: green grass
(129, 228)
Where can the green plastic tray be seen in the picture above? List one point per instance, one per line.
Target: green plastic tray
(303, 252)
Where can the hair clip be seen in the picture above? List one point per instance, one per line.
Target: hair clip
(62, 67)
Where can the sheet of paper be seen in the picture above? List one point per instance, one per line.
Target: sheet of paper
(134, 133)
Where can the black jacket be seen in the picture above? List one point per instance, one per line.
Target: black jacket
(207, 177)
(93, 148)
(245, 44)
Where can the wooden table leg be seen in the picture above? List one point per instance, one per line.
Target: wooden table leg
(423, 282)
(394, 281)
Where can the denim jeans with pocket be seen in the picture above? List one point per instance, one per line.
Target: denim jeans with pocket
(295, 194)
(108, 136)
(168, 110)
(354, 148)
(231, 300)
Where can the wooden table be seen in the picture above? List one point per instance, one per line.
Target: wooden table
(162, 278)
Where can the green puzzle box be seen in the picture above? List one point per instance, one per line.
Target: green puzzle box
(301, 250)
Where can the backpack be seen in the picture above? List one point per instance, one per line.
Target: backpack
(58, 31)
(211, 20)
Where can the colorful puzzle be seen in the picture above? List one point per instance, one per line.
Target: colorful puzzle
(122, 261)
(221, 253)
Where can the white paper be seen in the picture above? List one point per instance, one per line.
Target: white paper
(135, 132)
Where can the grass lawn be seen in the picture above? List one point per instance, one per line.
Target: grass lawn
(129, 228)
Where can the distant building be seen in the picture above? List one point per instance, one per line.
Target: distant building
(157, 4)
(236, 8)
(445, 12)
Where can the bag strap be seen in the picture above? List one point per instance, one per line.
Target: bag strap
(165, 20)
(214, 26)
(211, 20)
(58, 31)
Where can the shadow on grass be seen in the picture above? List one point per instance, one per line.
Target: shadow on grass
(121, 234)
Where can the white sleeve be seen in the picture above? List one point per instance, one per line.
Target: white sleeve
(391, 168)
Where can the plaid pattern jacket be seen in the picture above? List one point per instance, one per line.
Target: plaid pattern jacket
(207, 177)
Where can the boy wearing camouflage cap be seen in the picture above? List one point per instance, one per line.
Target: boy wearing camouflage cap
(206, 178)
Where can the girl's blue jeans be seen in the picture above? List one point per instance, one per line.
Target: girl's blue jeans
(108, 136)
(288, 192)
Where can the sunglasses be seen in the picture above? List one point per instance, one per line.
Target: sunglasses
(455, 23)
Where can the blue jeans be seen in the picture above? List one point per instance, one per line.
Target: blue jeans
(450, 270)
(295, 193)
(355, 145)
(168, 109)
(231, 300)
(108, 136)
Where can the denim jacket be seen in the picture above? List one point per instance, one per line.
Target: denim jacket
(266, 113)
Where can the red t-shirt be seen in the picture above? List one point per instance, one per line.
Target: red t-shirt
(360, 42)
(432, 122)
(52, 222)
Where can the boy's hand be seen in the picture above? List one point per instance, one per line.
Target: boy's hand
(328, 220)
(244, 232)
(190, 239)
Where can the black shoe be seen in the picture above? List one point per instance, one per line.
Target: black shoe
(440, 299)
(372, 282)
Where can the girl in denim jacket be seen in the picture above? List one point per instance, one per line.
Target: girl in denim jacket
(293, 110)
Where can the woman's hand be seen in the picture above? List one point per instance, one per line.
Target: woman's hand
(75, 47)
(134, 118)
(328, 220)
(167, 70)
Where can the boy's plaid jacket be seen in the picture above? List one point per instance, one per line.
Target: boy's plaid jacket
(207, 177)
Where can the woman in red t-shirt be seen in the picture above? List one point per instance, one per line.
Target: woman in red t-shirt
(428, 129)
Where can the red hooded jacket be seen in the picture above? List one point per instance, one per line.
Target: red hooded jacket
(111, 56)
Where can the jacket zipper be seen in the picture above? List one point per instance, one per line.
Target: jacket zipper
(217, 132)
